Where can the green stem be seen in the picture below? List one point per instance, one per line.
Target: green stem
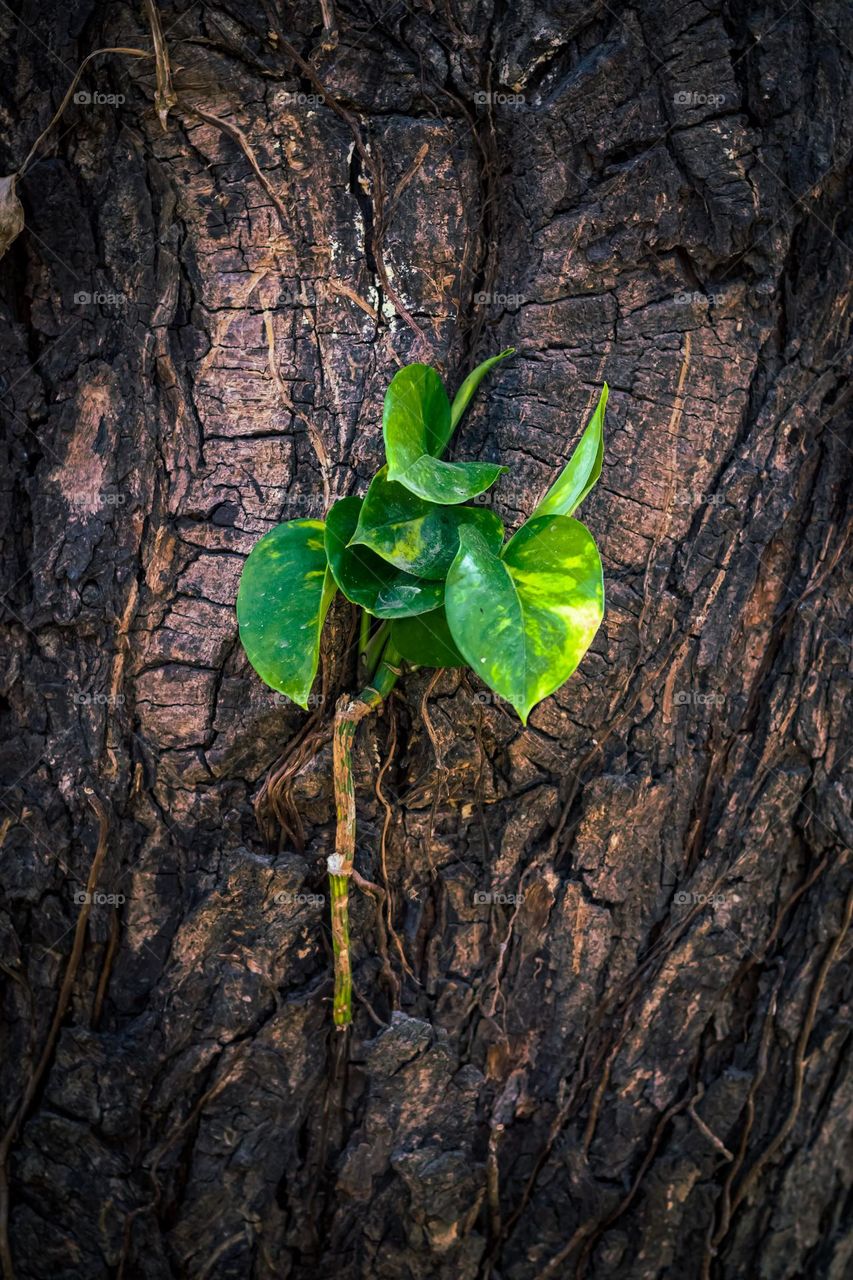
(363, 634)
(375, 649)
(348, 715)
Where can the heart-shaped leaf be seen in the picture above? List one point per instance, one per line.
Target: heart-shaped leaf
(524, 620)
(413, 534)
(463, 396)
(416, 425)
(426, 641)
(284, 596)
(582, 470)
(367, 579)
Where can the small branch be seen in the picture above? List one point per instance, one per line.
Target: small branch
(383, 846)
(376, 891)
(106, 970)
(130, 53)
(348, 716)
(703, 1128)
(441, 771)
(238, 136)
(165, 97)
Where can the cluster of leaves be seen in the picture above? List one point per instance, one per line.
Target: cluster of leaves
(420, 554)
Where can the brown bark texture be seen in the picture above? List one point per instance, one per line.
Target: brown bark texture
(601, 1019)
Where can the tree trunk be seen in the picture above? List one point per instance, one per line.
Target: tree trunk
(613, 1038)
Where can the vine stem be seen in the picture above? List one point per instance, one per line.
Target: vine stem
(349, 714)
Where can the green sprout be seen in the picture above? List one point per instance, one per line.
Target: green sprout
(438, 584)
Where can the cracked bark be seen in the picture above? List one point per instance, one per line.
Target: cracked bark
(634, 1059)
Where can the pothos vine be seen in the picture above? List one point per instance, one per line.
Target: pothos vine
(426, 560)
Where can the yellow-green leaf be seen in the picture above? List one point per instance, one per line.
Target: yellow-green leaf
(465, 393)
(582, 470)
(415, 535)
(367, 579)
(523, 620)
(416, 425)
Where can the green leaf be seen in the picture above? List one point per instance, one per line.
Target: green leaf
(413, 534)
(465, 393)
(582, 470)
(449, 482)
(367, 579)
(284, 596)
(524, 620)
(426, 641)
(416, 424)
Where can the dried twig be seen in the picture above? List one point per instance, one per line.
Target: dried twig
(165, 97)
(383, 844)
(238, 136)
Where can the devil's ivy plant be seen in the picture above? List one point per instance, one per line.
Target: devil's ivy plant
(437, 573)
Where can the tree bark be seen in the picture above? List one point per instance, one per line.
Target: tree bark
(601, 1022)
